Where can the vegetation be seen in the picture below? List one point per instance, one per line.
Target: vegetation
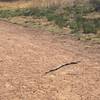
(74, 17)
(95, 4)
(16, 4)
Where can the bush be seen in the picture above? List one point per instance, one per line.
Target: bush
(89, 27)
(95, 4)
(63, 17)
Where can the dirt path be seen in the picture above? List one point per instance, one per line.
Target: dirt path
(26, 54)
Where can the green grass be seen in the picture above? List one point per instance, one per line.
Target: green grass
(62, 16)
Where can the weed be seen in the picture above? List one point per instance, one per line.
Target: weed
(63, 17)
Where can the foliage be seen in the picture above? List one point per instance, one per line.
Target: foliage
(62, 16)
(95, 4)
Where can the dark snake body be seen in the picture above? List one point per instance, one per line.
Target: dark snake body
(71, 63)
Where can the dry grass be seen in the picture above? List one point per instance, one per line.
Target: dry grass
(31, 3)
(46, 3)
(35, 3)
(17, 4)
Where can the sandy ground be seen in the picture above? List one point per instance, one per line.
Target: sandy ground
(26, 54)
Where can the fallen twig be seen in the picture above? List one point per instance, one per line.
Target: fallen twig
(59, 67)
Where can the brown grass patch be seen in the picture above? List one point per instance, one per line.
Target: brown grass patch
(35, 3)
(16, 4)
(31, 3)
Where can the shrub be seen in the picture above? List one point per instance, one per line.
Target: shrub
(63, 16)
(89, 27)
(95, 4)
